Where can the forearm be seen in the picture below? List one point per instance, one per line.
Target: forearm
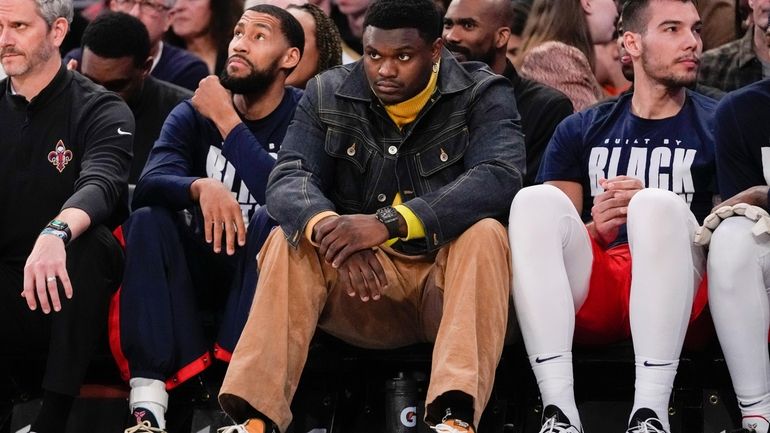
(77, 220)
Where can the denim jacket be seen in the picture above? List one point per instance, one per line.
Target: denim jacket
(461, 160)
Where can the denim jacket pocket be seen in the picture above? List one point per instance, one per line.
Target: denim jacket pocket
(352, 165)
(443, 152)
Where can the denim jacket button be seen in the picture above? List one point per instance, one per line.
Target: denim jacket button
(352, 150)
(392, 150)
(381, 198)
(443, 157)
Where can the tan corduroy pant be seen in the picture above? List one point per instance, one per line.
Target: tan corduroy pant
(459, 300)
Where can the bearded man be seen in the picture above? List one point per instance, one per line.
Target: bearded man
(187, 240)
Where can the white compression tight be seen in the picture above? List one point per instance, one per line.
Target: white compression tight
(739, 272)
(552, 258)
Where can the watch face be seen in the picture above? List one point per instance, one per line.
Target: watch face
(387, 214)
(58, 225)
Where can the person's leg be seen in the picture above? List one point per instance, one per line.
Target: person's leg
(94, 265)
(472, 277)
(552, 258)
(295, 293)
(739, 273)
(666, 269)
(159, 325)
(241, 294)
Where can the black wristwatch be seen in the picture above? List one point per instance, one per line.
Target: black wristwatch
(389, 216)
(60, 229)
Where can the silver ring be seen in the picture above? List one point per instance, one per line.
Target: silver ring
(49, 279)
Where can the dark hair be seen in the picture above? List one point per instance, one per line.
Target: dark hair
(520, 11)
(399, 14)
(327, 37)
(634, 14)
(115, 34)
(557, 20)
(290, 27)
(224, 15)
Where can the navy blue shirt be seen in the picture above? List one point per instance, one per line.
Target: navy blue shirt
(676, 153)
(190, 147)
(742, 135)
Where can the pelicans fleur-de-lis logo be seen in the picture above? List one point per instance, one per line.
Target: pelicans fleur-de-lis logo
(60, 156)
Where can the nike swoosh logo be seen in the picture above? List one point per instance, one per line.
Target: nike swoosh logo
(750, 404)
(121, 132)
(650, 364)
(540, 361)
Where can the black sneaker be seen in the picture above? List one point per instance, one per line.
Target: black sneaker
(645, 421)
(554, 421)
(142, 420)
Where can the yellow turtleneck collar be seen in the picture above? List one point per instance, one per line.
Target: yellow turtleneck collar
(406, 112)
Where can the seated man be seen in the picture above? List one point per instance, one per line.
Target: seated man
(169, 63)
(478, 30)
(639, 171)
(213, 158)
(738, 267)
(116, 54)
(405, 145)
(63, 172)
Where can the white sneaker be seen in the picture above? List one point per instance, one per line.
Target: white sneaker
(645, 421)
(554, 421)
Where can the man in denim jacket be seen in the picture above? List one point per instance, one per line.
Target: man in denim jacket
(388, 188)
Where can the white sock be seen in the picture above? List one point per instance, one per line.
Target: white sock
(553, 372)
(149, 394)
(654, 381)
(755, 411)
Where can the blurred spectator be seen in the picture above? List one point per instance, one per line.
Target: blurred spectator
(476, 30)
(518, 21)
(349, 17)
(323, 47)
(608, 69)
(558, 47)
(719, 25)
(116, 55)
(169, 63)
(204, 28)
(743, 61)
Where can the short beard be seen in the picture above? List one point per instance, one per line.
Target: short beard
(670, 81)
(256, 83)
(34, 59)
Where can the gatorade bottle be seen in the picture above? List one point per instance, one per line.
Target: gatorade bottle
(401, 405)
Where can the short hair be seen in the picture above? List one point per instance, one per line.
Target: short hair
(290, 27)
(422, 15)
(114, 35)
(519, 14)
(327, 37)
(51, 10)
(634, 14)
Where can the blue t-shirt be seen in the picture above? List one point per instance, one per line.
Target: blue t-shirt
(742, 135)
(676, 153)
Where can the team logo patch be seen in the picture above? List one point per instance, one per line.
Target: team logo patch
(60, 156)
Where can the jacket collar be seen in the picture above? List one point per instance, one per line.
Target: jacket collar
(746, 52)
(452, 78)
(60, 81)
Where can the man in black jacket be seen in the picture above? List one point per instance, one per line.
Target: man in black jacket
(479, 31)
(66, 149)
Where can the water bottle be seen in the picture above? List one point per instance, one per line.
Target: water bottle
(401, 405)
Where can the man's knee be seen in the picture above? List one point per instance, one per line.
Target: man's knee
(485, 233)
(151, 216)
(655, 202)
(537, 201)
(733, 247)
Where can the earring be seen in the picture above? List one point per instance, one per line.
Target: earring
(435, 68)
